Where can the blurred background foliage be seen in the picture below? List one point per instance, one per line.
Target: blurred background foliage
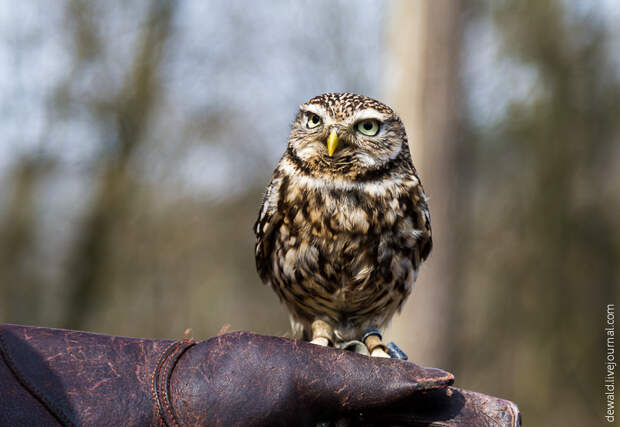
(137, 138)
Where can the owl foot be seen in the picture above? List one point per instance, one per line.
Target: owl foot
(372, 338)
(322, 333)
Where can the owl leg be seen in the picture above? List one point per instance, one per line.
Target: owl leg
(373, 340)
(322, 333)
(297, 328)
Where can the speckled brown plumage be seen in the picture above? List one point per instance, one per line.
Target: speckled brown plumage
(340, 238)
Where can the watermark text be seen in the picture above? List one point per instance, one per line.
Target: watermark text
(609, 379)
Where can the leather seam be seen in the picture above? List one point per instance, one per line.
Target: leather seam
(160, 392)
(155, 379)
(30, 387)
(164, 395)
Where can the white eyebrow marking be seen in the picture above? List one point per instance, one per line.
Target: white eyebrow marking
(314, 108)
(369, 113)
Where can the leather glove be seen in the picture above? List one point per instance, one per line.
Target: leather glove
(52, 376)
(248, 379)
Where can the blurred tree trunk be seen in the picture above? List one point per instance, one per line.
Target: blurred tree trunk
(20, 285)
(129, 112)
(423, 87)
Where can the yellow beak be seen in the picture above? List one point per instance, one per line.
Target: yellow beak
(332, 143)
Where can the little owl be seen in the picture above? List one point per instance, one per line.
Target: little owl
(344, 224)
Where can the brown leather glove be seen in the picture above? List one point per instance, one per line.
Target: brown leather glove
(252, 379)
(51, 376)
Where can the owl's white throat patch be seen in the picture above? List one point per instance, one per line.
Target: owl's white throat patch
(374, 188)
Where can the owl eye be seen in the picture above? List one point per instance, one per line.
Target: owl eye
(368, 127)
(313, 121)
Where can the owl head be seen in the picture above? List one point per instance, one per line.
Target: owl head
(346, 134)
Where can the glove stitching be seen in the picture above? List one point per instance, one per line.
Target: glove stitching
(161, 386)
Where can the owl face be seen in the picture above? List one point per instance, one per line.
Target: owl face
(343, 132)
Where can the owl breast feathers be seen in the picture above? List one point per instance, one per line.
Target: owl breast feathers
(344, 223)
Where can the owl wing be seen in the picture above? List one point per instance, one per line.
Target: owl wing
(422, 221)
(426, 241)
(265, 228)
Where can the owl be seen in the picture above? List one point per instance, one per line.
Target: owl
(344, 224)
